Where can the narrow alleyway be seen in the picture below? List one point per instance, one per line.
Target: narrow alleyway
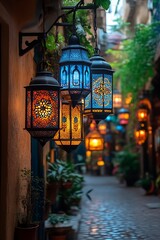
(118, 212)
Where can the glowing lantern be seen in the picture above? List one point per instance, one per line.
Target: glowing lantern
(99, 102)
(42, 107)
(102, 127)
(100, 163)
(123, 116)
(71, 132)
(94, 141)
(75, 75)
(117, 99)
(142, 113)
(140, 136)
(88, 154)
(92, 125)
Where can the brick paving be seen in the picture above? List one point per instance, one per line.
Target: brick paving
(118, 212)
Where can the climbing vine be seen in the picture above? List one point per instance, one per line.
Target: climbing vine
(135, 60)
(56, 40)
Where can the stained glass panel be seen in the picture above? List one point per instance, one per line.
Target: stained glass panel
(64, 76)
(76, 76)
(44, 109)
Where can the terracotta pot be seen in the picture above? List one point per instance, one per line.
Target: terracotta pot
(52, 191)
(67, 185)
(59, 233)
(26, 232)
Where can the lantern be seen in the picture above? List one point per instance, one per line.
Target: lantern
(117, 99)
(142, 113)
(92, 125)
(102, 127)
(70, 134)
(123, 116)
(94, 141)
(42, 106)
(140, 136)
(99, 102)
(100, 163)
(75, 71)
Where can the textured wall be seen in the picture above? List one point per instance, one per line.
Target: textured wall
(16, 72)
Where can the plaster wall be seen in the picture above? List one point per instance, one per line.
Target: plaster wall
(16, 73)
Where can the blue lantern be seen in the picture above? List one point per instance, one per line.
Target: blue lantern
(99, 103)
(75, 77)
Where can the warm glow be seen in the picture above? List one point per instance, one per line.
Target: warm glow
(140, 136)
(123, 116)
(142, 115)
(94, 141)
(88, 154)
(100, 163)
(128, 99)
(70, 133)
(102, 127)
(92, 125)
(117, 100)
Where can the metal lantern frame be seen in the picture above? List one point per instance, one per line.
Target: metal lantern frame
(141, 134)
(99, 103)
(70, 134)
(75, 72)
(123, 116)
(42, 106)
(142, 113)
(94, 141)
(117, 99)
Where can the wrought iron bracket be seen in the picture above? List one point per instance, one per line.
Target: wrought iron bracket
(28, 45)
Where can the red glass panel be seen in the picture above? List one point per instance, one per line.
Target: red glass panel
(45, 109)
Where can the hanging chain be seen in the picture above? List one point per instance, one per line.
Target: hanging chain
(95, 28)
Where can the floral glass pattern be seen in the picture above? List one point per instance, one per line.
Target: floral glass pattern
(70, 132)
(42, 111)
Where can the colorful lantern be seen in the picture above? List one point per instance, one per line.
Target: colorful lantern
(117, 99)
(99, 102)
(94, 141)
(42, 107)
(75, 76)
(123, 116)
(70, 134)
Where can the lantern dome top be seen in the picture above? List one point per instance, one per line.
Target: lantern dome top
(74, 52)
(44, 77)
(99, 63)
(74, 40)
(123, 110)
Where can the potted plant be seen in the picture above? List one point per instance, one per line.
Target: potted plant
(58, 226)
(54, 177)
(147, 183)
(29, 201)
(128, 166)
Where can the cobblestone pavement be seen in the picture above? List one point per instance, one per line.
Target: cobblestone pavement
(118, 212)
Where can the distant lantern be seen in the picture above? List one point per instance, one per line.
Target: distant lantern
(75, 75)
(117, 99)
(70, 134)
(123, 116)
(92, 125)
(140, 136)
(94, 141)
(42, 106)
(102, 127)
(99, 102)
(142, 113)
